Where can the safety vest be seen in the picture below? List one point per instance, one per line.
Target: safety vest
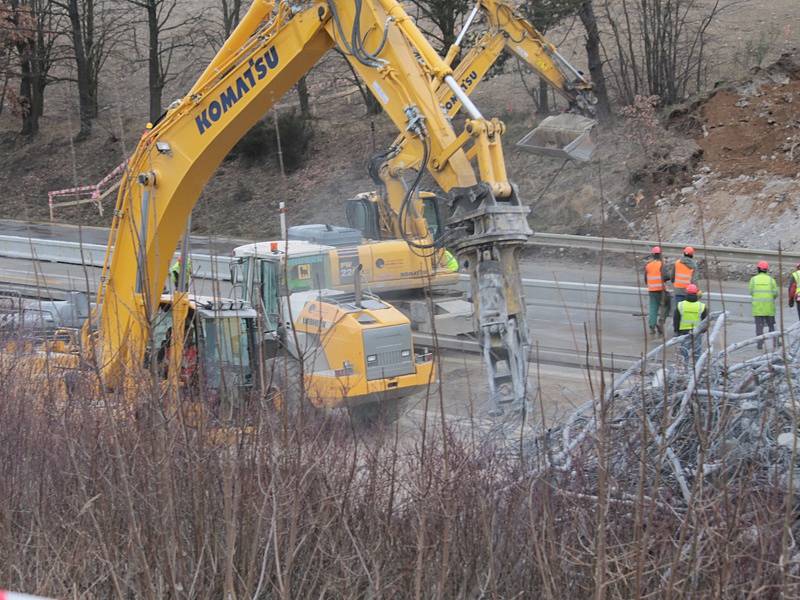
(450, 261)
(763, 291)
(652, 270)
(175, 271)
(796, 277)
(683, 275)
(690, 314)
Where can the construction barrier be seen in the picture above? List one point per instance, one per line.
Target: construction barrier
(88, 193)
(14, 596)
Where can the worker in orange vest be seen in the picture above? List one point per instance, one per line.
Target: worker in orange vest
(656, 276)
(684, 274)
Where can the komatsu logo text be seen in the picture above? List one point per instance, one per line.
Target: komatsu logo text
(255, 72)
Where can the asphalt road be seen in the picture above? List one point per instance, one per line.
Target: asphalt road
(555, 388)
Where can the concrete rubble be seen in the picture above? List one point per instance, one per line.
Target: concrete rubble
(734, 415)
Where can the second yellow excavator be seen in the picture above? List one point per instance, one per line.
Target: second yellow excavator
(407, 230)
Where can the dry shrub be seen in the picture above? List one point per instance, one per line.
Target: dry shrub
(103, 501)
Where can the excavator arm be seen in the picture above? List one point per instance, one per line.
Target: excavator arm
(274, 45)
(508, 31)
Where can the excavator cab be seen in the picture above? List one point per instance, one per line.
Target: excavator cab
(363, 214)
(432, 213)
(568, 136)
(218, 343)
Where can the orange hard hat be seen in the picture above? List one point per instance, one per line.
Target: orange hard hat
(688, 251)
(763, 265)
(655, 250)
(692, 289)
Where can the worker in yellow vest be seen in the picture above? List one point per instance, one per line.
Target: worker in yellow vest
(763, 291)
(175, 272)
(684, 273)
(655, 276)
(449, 261)
(689, 314)
(794, 289)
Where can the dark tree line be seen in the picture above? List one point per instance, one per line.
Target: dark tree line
(74, 38)
(653, 47)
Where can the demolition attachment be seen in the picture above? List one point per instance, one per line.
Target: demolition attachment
(567, 136)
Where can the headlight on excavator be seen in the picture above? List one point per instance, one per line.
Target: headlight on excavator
(372, 358)
(405, 353)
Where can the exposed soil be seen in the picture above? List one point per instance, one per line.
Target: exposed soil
(746, 192)
(754, 129)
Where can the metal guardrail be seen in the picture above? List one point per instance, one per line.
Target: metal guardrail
(217, 267)
(571, 294)
(565, 357)
(722, 254)
(574, 295)
(204, 266)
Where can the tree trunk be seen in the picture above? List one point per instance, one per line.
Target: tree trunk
(589, 20)
(542, 104)
(3, 92)
(374, 107)
(86, 102)
(93, 58)
(30, 121)
(230, 16)
(303, 96)
(156, 82)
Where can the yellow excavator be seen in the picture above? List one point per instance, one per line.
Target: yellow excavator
(273, 46)
(406, 229)
(404, 271)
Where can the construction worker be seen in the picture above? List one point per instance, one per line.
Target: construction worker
(689, 314)
(450, 261)
(175, 272)
(763, 291)
(684, 273)
(655, 276)
(794, 289)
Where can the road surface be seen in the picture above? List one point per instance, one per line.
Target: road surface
(568, 330)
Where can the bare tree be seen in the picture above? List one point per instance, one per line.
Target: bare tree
(167, 36)
(545, 14)
(7, 34)
(594, 58)
(223, 19)
(304, 97)
(231, 13)
(445, 16)
(659, 46)
(33, 26)
(92, 34)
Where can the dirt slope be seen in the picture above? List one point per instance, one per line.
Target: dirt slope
(747, 190)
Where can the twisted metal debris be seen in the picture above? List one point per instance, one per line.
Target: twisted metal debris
(733, 413)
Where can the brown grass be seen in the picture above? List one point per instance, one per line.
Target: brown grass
(100, 501)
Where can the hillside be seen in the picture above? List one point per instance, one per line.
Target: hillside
(242, 200)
